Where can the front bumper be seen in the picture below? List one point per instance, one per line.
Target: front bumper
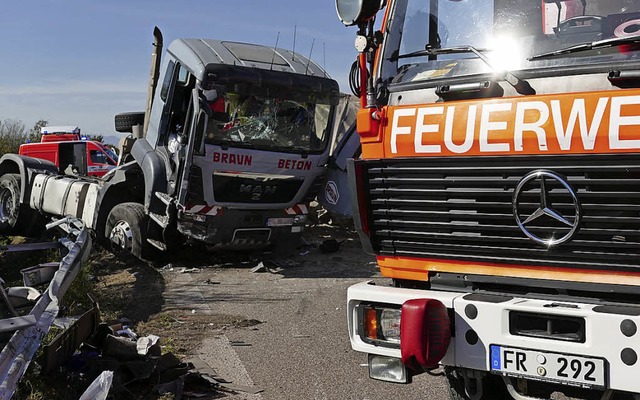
(606, 329)
(241, 229)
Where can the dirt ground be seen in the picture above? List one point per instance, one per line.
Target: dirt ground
(134, 293)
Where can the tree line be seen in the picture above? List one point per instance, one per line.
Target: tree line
(13, 133)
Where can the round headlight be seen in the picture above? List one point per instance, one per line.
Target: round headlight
(353, 12)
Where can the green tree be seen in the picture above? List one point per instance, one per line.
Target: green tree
(12, 135)
(96, 138)
(34, 133)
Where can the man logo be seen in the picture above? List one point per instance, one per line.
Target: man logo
(256, 191)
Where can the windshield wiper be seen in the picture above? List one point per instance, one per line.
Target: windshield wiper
(521, 86)
(434, 51)
(598, 44)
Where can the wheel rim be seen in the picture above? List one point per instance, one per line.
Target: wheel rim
(7, 207)
(121, 236)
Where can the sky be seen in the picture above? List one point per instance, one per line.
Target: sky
(80, 62)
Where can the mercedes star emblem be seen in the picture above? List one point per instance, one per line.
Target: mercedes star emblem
(546, 225)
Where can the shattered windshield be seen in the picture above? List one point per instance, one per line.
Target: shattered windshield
(269, 119)
(512, 34)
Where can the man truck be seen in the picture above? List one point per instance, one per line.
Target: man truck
(239, 174)
(499, 190)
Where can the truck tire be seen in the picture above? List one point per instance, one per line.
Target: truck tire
(125, 121)
(16, 218)
(125, 229)
(493, 388)
(9, 202)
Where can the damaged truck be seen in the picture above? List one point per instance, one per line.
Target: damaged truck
(232, 147)
(499, 191)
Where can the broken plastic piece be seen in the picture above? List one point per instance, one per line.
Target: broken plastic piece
(99, 388)
(148, 344)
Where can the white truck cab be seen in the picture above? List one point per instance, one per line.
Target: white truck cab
(229, 152)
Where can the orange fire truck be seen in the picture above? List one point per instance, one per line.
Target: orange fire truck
(499, 188)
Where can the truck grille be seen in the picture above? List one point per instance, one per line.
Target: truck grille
(241, 189)
(462, 208)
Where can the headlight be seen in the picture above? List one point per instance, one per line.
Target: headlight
(380, 324)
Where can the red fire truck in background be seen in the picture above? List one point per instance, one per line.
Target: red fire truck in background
(68, 150)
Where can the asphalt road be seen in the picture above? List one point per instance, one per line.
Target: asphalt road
(300, 350)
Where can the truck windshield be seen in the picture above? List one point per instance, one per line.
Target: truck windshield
(269, 119)
(514, 35)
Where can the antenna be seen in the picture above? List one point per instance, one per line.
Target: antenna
(274, 52)
(293, 56)
(324, 59)
(309, 59)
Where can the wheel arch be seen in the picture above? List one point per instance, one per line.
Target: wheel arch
(25, 167)
(154, 171)
(125, 186)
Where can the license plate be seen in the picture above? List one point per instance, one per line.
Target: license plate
(548, 366)
(274, 222)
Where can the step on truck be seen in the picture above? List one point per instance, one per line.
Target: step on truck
(231, 148)
(498, 189)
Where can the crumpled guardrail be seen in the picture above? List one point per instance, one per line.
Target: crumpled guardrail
(19, 351)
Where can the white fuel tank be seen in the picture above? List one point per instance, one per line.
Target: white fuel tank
(63, 196)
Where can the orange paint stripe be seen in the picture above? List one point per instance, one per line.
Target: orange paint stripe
(418, 269)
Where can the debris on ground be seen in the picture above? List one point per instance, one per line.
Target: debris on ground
(330, 246)
(30, 317)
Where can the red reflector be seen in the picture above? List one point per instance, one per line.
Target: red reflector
(424, 333)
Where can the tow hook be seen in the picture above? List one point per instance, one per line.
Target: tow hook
(473, 384)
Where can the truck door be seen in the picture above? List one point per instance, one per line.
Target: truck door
(99, 163)
(73, 158)
(195, 128)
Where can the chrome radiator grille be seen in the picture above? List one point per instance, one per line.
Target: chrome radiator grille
(463, 209)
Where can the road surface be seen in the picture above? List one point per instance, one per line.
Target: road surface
(295, 345)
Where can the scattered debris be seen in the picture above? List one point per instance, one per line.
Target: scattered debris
(238, 343)
(168, 267)
(260, 268)
(99, 388)
(62, 347)
(210, 282)
(330, 246)
(189, 270)
(19, 351)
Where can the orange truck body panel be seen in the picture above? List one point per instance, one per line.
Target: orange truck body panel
(574, 123)
(598, 122)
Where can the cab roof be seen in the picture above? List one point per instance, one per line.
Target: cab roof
(196, 54)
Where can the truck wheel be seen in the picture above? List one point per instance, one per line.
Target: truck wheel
(9, 202)
(493, 388)
(125, 229)
(125, 121)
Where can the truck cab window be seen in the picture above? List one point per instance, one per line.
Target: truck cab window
(177, 107)
(166, 84)
(98, 157)
(269, 118)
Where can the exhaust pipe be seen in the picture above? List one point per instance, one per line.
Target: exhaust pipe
(153, 78)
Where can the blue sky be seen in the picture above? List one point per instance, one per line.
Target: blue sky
(80, 62)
